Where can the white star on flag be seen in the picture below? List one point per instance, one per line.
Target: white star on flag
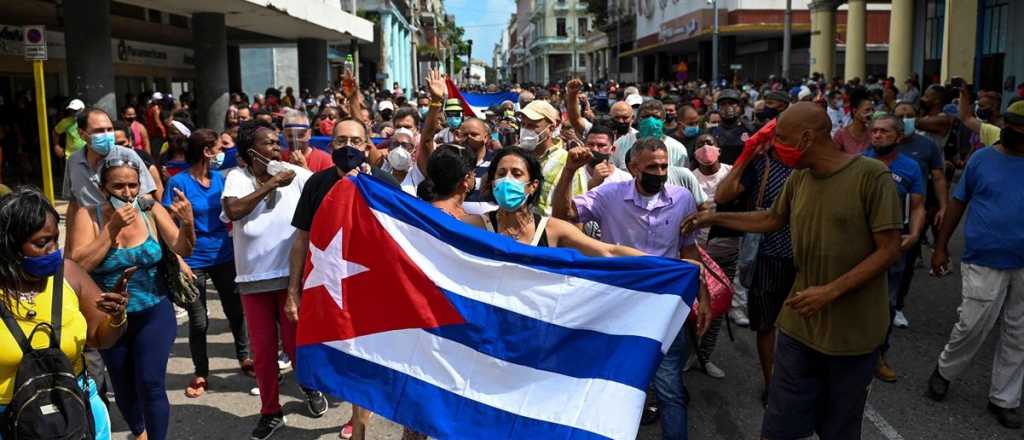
(329, 268)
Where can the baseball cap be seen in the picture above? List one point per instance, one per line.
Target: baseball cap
(776, 95)
(540, 109)
(804, 92)
(1015, 113)
(385, 105)
(634, 100)
(729, 94)
(452, 105)
(76, 105)
(157, 97)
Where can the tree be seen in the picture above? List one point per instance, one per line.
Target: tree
(598, 9)
(453, 33)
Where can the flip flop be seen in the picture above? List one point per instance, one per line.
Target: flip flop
(196, 388)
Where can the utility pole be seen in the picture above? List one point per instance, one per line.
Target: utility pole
(787, 38)
(618, 43)
(714, 43)
(469, 60)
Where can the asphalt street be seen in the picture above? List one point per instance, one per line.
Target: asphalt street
(726, 408)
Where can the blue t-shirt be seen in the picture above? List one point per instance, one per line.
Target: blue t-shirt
(994, 233)
(926, 153)
(213, 245)
(907, 175)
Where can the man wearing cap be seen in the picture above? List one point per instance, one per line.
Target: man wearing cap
(992, 266)
(68, 127)
(453, 120)
(539, 122)
(733, 131)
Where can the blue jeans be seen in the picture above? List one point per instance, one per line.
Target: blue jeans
(895, 279)
(671, 391)
(100, 416)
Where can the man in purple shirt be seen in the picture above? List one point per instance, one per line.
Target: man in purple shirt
(646, 214)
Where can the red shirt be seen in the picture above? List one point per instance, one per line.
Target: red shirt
(316, 159)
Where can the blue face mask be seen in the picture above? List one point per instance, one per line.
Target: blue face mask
(908, 126)
(651, 127)
(423, 112)
(43, 266)
(217, 161)
(117, 203)
(102, 143)
(454, 122)
(509, 193)
(691, 131)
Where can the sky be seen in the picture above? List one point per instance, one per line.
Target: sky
(484, 22)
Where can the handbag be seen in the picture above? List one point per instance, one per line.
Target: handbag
(745, 262)
(183, 290)
(719, 287)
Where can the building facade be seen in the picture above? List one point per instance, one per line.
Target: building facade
(551, 40)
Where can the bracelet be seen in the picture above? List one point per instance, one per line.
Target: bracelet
(124, 319)
(437, 104)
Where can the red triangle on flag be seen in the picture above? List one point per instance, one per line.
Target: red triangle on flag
(382, 290)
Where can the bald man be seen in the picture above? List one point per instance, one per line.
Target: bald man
(844, 216)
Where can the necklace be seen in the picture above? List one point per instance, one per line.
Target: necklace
(28, 299)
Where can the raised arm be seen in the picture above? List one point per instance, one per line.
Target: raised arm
(178, 232)
(730, 189)
(966, 113)
(572, 106)
(562, 206)
(436, 86)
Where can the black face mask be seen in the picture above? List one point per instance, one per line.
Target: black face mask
(348, 158)
(386, 115)
(884, 150)
(1011, 138)
(984, 114)
(598, 158)
(652, 183)
(621, 128)
(766, 114)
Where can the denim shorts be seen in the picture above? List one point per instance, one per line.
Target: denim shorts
(100, 415)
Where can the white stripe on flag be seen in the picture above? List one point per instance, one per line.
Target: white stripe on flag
(563, 300)
(600, 406)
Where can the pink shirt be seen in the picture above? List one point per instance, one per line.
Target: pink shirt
(850, 144)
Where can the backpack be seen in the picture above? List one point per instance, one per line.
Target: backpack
(47, 403)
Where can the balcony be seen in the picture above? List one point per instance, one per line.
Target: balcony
(549, 41)
(561, 6)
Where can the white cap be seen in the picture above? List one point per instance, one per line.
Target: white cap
(385, 105)
(804, 92)
(76, 105)
(634, 100)
(157, 97)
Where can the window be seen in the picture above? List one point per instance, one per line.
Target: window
(178, 20)
(995, 23)
(126, 10)
(560, 27)
(155, 16)
(583, 61)
(582, 26)
(934, 23)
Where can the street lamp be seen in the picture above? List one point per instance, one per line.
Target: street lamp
(469, 60)
(714, 43)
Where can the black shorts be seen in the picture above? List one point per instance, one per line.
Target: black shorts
(773, 279)
(812, 392)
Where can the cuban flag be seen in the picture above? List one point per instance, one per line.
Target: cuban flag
(475, 104)
(461, 333)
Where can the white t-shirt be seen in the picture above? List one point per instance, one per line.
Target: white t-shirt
(412, 180)
(263, 239)
(710, 183)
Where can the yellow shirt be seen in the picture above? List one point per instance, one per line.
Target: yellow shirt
(72, 335)
(551, 164)
(990, 134)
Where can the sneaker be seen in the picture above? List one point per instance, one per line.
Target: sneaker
(316, 403)
(1007, 417)
(180, 313)
(938, 386)
(712, 370)
(283, 363)
(900, 321)
(884, 372)
(267, 425)
(255, 391)
(690, 363)
(738, 317)
(346, 431)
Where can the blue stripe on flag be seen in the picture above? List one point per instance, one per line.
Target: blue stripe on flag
(647, 274)
(509, 336)
(486, 100)
(412, 402)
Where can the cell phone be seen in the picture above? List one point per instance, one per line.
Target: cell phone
(122, 282)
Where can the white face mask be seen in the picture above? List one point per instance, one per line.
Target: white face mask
(528, 139)
(400, 159)
(276, 167)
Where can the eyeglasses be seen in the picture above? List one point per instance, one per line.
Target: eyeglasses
(340, 141)
(114, 163)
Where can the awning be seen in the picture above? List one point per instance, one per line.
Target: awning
(759, 29)
(287, 19)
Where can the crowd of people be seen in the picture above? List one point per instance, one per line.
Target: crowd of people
(814, 198)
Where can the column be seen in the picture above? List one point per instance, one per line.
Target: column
(901, 28)
(823, 37)
(545, 71)
(312, 54)
(386, 43)
(856, 42)
(234, 69)
(90, 57)
(958, 42)
(209, 40)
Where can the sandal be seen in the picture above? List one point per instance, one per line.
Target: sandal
(196, 388)
(248, 367)
(346, 431)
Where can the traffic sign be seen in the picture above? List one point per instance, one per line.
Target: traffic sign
(34, 42)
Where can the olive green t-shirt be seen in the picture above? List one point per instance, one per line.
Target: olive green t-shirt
(832, 219)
